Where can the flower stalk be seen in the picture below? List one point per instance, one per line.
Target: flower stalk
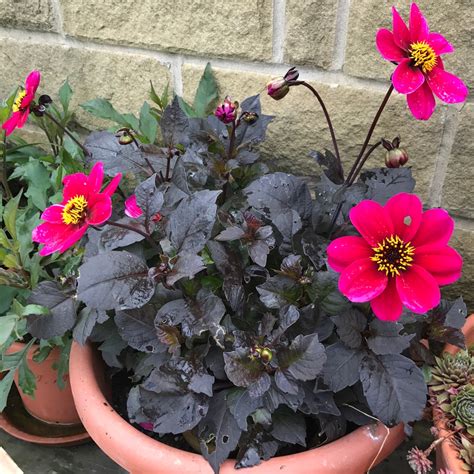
(4, 167)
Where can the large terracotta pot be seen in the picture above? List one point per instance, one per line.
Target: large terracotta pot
(140, 454)
(447, 454)
(50, 404)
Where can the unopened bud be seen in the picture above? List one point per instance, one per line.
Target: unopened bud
(278, 88)
(125, 136)
(250, 117)
(266, 355)
(292, 74)
(395, 158)
(227, 111)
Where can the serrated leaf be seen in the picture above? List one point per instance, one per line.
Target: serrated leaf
(5, 386)
(10, 213)
(114, 280)
(86, 321)
(62, 311)
(102, 108)
(137, 327)
(242, 405)
(149, 198)
(289, 427)
(349, 327)
(26, 378)
(385, 338)
(148, 123)
(113, 237)
(65, 94)
(394, 388)
(187, 266)
(342, 366)
(304, 359)
(174, 124)
(219, 433)
(189, 226)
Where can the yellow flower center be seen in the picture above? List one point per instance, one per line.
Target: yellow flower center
(423, 55)
(75, 210)
(16, 107)
(393, 255)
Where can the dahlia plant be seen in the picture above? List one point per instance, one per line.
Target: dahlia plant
(241, 307)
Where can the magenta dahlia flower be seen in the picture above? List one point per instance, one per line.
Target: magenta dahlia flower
(21, 105)
(420, 72)
(401, 258)
(83, 205)
(227, 111)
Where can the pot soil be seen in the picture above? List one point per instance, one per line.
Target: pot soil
(446, 453)
(140, 454)
(50, 404)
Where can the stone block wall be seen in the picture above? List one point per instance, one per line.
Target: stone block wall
(113, 48)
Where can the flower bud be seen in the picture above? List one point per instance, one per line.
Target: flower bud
(278, 88)
(227, 111)
(266, 355)
(395, 158)
(125, 136)
(250, 117)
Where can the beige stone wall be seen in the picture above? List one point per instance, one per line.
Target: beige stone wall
(112, 48)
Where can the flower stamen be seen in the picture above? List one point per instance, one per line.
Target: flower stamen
(75, 210)
(423, 55)
(393, 255)
(16, 107)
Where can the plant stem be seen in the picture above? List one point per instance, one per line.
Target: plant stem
(362, 162)
(369, 133)
(140, 148)
(168, 164)
(361, 159)
(328, 120)
(230, 151)
(138, 231)
(4, 167)
(67, 132)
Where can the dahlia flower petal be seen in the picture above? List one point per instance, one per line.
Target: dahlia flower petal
(361, 282)
(11, 123)
(32, 82)
(131, 207)
(372, 221)
(387, 46)
(419, 29)
(388, 306)
(112, 186)
(444, 264)
(22, 118)
(401, 34)
(100, 210)
(75, 185)
(435, 229)
(406, 211)
(418, 289)
(96, 176)
(407, 79)
(446, 86)
(440, 44)
(421, 102)
(72, 238)
(345, 250)
(53, 214)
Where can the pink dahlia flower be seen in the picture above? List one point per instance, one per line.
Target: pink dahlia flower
(420, 72)
(131, 207)
(21, 105)
(227, 111)
(401, 258)
(83, 205)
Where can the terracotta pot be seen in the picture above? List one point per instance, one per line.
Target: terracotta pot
(446, 453)
(140, 454)
(50, 404)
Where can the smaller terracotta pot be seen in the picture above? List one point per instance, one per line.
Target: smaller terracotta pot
(446, 453)
(50, 404)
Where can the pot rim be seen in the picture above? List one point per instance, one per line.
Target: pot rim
(373, 442)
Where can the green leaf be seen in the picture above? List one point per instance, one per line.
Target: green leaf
(207, 93)
(9, 214)
(7, 294)
(63, 364)
(6, 106)
(148, 123)
(154, 96)
(5, 386)
(65, 94)
(102, 108)
(7, 324)
(26, 378)
(38, 179)
(186, 108)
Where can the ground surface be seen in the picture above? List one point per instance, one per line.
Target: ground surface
(88, 459)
